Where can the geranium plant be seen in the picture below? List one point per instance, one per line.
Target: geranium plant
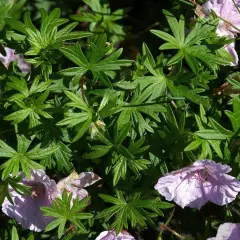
(111, 132)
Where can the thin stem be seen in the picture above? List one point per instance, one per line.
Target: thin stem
(229, 23)
(236, 6)
(172, 231)
(148, 28)
(6, 131)
(167, 222)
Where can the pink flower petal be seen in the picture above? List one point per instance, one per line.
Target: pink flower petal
(231, 49)
(11, 57)
(86, 179)
(228, 231)
(227, 11)
(111, 235)
(195, 185)
(26, 209)
(75, 183)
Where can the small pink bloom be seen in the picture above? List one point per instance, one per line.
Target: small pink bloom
(75, 183)
(11, 56)
(228, 231)
(203, 181)
(226, 10)
(111, 235)
(26, 209)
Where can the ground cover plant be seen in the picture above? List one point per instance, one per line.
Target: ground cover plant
(119, 120)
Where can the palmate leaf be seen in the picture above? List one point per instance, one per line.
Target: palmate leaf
(173, 134)
(15, 184)
(101, 65)
(10, 9)
(134, 210)
(48, 37)
(122, 159)
(66, 209)
(22, 159)
(235, 115)
(34, 109)
(101, 19)
(61, 159)
(20, 85)
(190, 94)
(44, 43)
(209, 136)
(192, 47)
(81, 120)
(139, 111)
(157, 83)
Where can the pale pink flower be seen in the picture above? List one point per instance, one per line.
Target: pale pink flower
(203, 181)
(231, 49)
(111, 235)
(11, 56)
(228, 231)
(26, 209)
(227, 11)
(76, 183)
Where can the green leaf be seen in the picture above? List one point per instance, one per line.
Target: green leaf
(64, 211)
(83, 129)
(14, 234)
(134, 210)
(95, 60)
(211, 134)
(178, 29)
(192, 48)
(97, 151)
(3, 191)
(23, 159)
(167, 37)
(193, 145)
(235, 115)
(18, 116)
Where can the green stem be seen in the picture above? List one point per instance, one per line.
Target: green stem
(172, 231)
(165, 227)
(236, 6)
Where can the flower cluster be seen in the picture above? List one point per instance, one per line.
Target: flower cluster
(192, 186)
(229, 21)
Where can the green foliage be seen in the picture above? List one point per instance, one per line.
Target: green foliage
(101, 19)
(86, 107)
(101, 69)
(121, 158)
(14, 234)
(67, 209)
(43, 42)
(135, 209)
(10, 9)
(15, 184)
(22, 159)
(81, 119)
(191, 47)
